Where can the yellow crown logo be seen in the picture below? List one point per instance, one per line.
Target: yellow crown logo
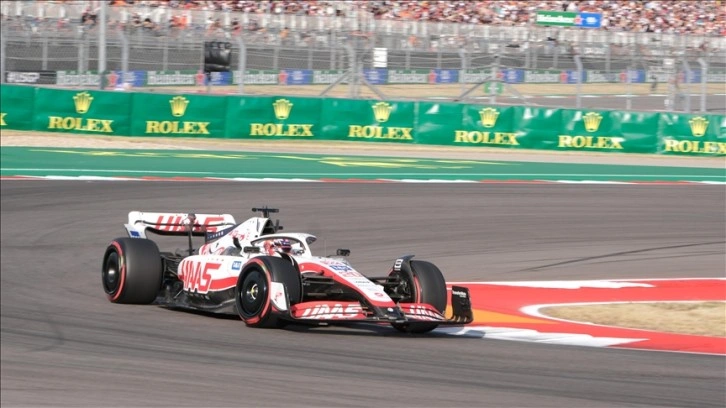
(82, 101)
(488, 117)
(381, 111)
(592, 121)
(282, 108)
(699, 124)
(178, 105)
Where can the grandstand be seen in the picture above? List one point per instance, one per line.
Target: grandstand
(652, 41)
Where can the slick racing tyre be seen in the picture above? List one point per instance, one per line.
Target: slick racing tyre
(132, 271)
(425, 284)
(253, 290)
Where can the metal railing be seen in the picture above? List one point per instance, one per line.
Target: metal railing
(343, 46)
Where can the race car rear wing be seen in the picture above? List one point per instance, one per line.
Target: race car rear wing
(176, 223)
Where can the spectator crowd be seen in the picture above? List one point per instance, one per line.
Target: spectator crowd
(706, 17)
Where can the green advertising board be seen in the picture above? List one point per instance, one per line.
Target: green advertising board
(273, 117)
(555, 18)
(99, 112)
(692, 134)
(606, 131)
(16, 107)
(366, 120)
(178, 115)
(468, 125)
(539, 125)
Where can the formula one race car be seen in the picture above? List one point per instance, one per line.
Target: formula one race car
(270, 278)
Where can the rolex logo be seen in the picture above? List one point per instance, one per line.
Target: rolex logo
(699, 124)
(488, 117)
(592, 121)
(381, 111)
(282, 108)
(82, 101)
(178, 105)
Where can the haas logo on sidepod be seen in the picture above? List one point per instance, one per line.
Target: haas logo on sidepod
(196, 275)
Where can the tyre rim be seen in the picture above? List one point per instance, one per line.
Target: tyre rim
(111, 273)
(252, 294)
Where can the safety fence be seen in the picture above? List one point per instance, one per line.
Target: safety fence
(422, 122)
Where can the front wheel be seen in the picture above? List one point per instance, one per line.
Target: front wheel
(253, 291)
(425, 284)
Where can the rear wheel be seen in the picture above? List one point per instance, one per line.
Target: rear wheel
(253, 291)
(425, 284)
(131, 272)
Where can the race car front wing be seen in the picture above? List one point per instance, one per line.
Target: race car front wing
(342, 311)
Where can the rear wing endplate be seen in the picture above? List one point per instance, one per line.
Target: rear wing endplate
(176, 223)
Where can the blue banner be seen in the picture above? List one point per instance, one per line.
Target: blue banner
(296, 76)
(445, 76)
(569, 76)
(512, 76)
(633, 76)
(588, 20)
(220, 78)
(376, 76)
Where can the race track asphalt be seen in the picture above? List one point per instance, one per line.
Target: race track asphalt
(64, 344)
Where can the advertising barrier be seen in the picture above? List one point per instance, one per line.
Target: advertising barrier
(273, 117)
(82, 112)
(425, 122)
(376, 76)
(16, 107)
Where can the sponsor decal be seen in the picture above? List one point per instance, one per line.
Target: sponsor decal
(488, 119)
(282, 109)
(197, 276)
(326, 76)
(336, 311)
(255, 77)
(381, 113)
(176, 223)
(135, 234)
(591, 121)
(408, 77)
(171, 78)
(178, 105)
(699, 127)
(34, 77)
(82, 102)
(77, 79)
(236, 265)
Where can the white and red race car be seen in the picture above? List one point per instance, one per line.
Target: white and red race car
(270, 278)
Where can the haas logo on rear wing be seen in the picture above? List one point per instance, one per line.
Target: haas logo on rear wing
(176, 223)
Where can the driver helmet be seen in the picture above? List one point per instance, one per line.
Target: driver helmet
(283, 245)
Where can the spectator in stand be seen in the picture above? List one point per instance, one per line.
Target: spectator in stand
(706, 17)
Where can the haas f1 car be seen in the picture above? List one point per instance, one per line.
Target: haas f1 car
(270, 278)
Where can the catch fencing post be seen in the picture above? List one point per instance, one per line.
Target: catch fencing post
(578, 96)
(102, 45)
(242, 65)
(704, 74)
(124, 57)
(629, 87)
(686, 78)
(3, 54)
(464, 67)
